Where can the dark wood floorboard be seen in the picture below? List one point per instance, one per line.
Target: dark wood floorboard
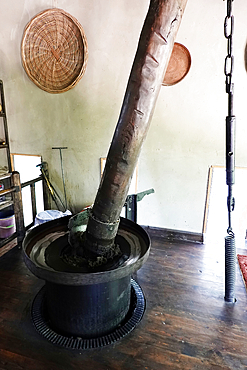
(187, 324)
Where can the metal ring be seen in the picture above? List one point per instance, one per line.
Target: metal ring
(228, 68)
(228, 20)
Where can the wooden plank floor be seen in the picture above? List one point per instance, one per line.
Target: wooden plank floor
(187, 325)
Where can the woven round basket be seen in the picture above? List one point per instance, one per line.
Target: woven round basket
(54, 50)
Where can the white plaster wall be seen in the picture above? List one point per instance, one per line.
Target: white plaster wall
(187, 134)
(187, 130)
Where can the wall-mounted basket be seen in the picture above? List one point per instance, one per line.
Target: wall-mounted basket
(54, 50)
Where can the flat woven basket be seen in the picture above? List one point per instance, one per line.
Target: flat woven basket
(54, 50)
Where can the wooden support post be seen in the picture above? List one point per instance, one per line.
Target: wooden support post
(33, 201)
(148, 70)
(46, 193)
(18, 208)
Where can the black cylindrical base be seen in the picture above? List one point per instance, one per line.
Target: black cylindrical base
(87, 311)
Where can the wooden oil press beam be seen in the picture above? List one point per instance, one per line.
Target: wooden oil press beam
(148, 70)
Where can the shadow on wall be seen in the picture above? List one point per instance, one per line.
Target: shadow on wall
(245, 57)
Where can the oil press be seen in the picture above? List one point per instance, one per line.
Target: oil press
(89, 299)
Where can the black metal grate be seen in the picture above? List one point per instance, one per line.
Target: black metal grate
(137, 308)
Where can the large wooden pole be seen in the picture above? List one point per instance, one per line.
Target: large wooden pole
(148, 70)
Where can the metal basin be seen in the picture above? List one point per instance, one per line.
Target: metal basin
(85, 304)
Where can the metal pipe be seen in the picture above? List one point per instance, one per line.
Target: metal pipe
(61, 163)
(148, 70)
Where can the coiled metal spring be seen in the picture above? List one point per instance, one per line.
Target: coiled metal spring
(230, 267)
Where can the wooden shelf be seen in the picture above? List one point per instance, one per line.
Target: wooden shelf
(5, 175)
(11, 192)
(5, 241)
(5, 204)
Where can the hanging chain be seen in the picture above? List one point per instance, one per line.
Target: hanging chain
(229, 60)
(230, 119)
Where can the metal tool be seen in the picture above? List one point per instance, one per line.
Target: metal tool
(52, 190)
(131, 204)
(60, 148)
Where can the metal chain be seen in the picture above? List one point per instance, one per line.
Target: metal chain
(229, 60)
